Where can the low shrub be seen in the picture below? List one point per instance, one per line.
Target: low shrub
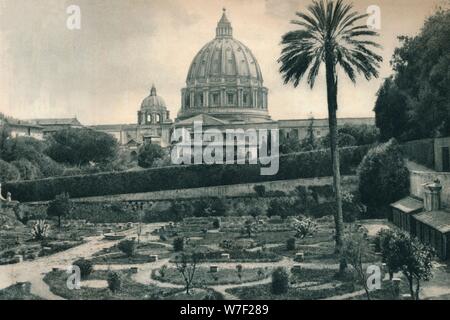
(86, 267)
(40, 230)
(128, 247)
(178, 244)
(216, 223)
(280, 281)
(114, 281)
(290, 244)
(260, 190)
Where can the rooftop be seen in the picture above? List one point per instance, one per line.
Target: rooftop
(408, 205)
(439, 220)
(56, 121)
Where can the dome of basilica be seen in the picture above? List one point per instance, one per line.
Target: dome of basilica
(153, 110)
(225, 80)
(153, 101)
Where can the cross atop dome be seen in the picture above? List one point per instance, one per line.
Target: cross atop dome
(224, 29)
(153, 91)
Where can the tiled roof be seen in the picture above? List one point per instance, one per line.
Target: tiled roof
(55, 121)
(408, 205)
(439, 220)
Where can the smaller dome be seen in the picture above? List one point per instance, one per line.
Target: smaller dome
(153, 101)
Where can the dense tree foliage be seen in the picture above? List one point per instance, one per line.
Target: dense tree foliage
(354, 135)
(383, 176)
(59, 207)
(82, 146)
(348, 135)
(148, 154)
(415, 102)
(8, 172)
(403, 253)
(27, 170)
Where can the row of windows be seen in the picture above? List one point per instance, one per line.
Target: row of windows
(150, 118)
(231, 99)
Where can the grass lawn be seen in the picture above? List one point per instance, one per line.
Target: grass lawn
(305, 284)
(203, 277)
(115, 256)
(130, 290)
(19, 291)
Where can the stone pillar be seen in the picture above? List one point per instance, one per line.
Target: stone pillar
(432, 196)
(183, 98)
(222, 97)
(239, 97)
(191, 101)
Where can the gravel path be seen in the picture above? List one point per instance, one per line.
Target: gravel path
(34, 271)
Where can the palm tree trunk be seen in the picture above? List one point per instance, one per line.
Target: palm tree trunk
(332, 122)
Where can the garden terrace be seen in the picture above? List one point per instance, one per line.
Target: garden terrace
(292, 166)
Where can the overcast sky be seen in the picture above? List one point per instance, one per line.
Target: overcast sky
(102, 72)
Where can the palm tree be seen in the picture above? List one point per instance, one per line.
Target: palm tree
(330, 33)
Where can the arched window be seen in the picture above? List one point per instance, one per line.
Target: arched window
(158, 118)
(149, 118)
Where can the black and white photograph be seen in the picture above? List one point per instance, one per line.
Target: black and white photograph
(244, 151)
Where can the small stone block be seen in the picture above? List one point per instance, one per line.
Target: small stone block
(213, 269)
(225, 256)
(134, 270)
(299, 257)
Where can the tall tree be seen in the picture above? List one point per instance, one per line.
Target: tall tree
(81, 146)
(415, 102)
(59, 207)
(330, 33)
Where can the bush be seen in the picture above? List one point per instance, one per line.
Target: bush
(148, 154)
(305, 227)
(27, 170)
(128, 247)
(114, 281)
(260, 190)
(85, 266)
(81, 145)
(40, 230)
(290, 244)
(383, 176)
(8, 172)
(178, 244)
(59, 207)
(352, 209)
(216, 223)
(292, 166)
(283, 207)
(280, 281)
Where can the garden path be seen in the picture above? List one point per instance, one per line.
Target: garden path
(34, 271)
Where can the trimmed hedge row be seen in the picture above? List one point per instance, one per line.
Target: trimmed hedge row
(420, 151)
(292, 166)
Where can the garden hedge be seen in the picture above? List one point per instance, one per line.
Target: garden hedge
(292, 166)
